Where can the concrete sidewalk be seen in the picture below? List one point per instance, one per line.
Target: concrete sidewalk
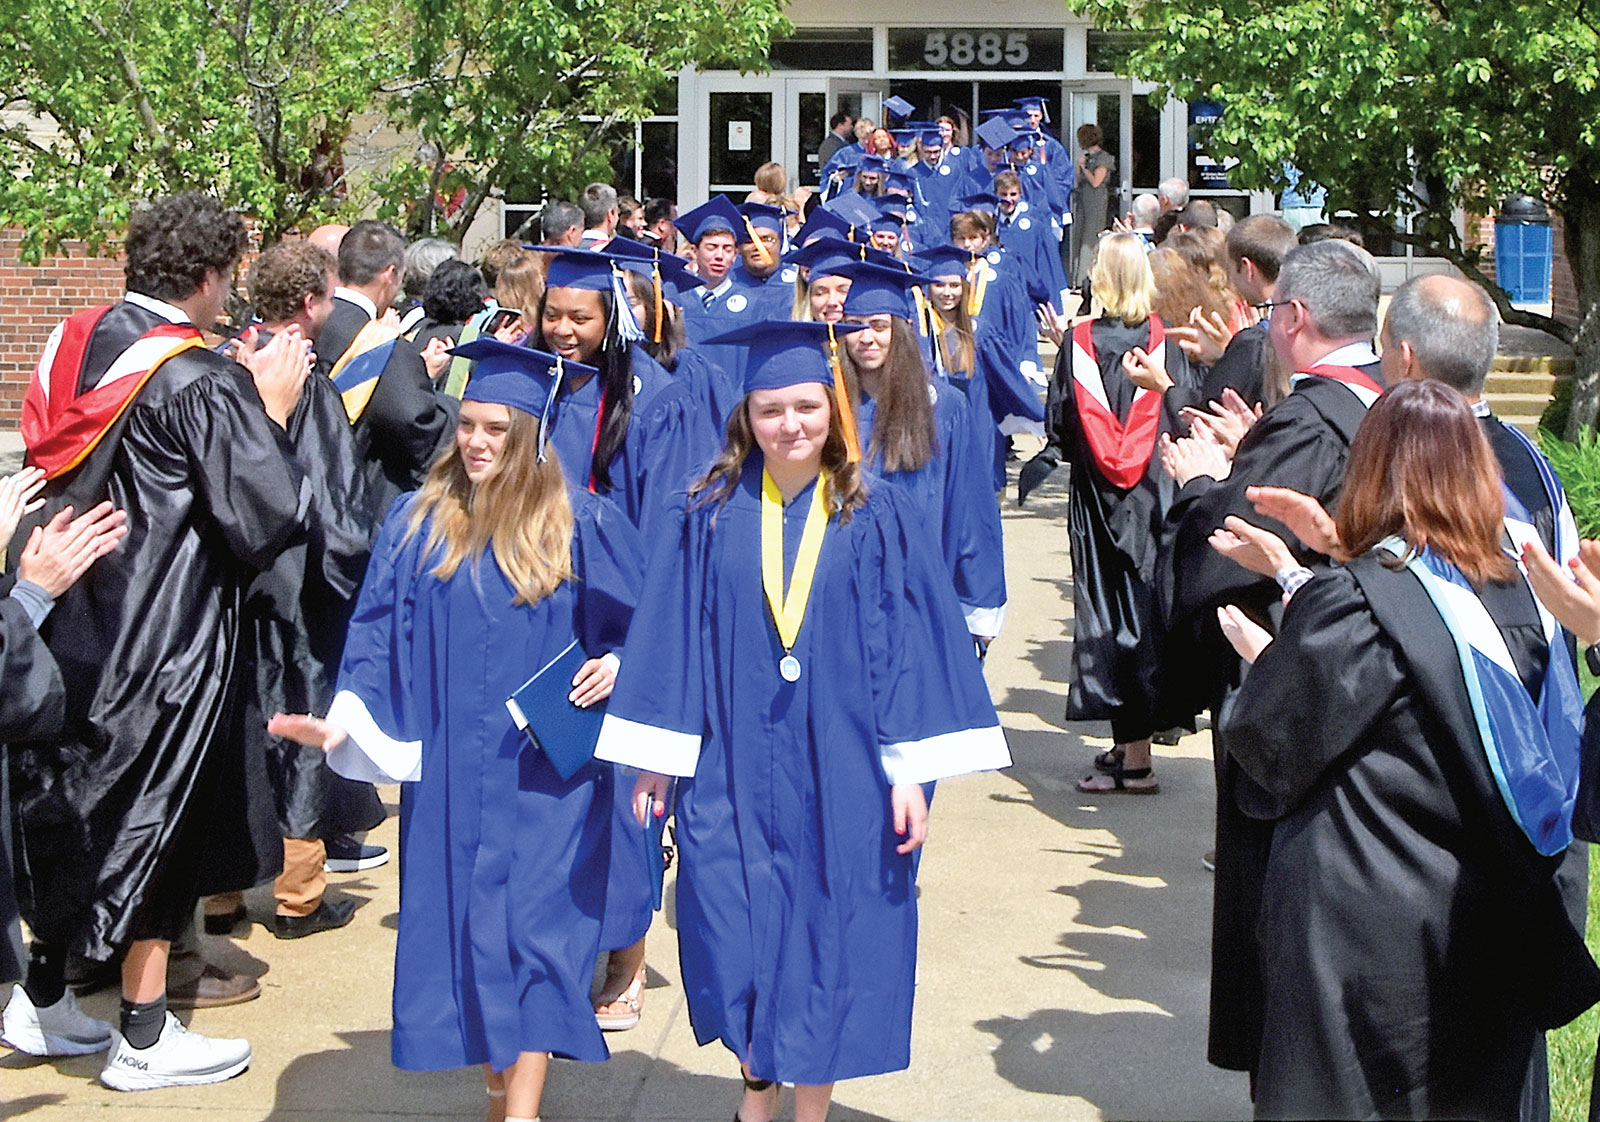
(1063, 970)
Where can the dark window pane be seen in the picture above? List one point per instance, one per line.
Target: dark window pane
(824, 48)
(813, 127)
(741, 138)
(1001, 95)
(659, 175)
(975, 48)
(1146, 141)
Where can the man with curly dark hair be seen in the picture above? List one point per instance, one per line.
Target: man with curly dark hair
(115, 817)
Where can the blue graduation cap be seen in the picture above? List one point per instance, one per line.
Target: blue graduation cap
(946, 261)
(762, 216)
(786, 353)
(932, 138)
(898, 180)
(995, 133)
(517, 377)
(983, 202)
(1038, 103)
(899, 106)
(825, 256)
(847, 159)
(874, 163)
(821, 223)
(854, 209)
(891, 213)
(717, 215)
(905, 138)
(877, 290)
(1028, 139)
(668, 274)
(590, 271)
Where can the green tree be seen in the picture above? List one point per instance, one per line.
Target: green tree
(1402, 107)
(496, 91)
(110, 102)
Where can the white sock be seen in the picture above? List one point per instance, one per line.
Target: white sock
(515, 1118)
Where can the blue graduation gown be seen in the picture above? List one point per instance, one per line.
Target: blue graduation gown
(741, 304)
(952, 492)
(502, 862)
(669, 439)
(975, 386)
(797, 920)
(709, 384)
(1026, 237)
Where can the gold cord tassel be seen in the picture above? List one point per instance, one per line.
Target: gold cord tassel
(841, 392)
(656, 279)
(761, 246)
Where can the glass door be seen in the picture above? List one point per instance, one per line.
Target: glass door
(741, 118)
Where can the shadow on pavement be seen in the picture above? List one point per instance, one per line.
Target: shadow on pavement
(16, 1108)
(359, 1082)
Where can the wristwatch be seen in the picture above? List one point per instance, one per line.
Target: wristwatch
(1591, 657)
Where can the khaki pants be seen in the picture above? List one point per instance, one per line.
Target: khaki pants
(298, 888)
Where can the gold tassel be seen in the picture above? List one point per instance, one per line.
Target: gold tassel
(841, 392)
(656, 279)
(761, 246)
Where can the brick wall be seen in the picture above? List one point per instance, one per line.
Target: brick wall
(33, 299)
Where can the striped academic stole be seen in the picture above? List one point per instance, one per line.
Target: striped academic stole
(1121, 449)
(356, 373)
(61, 426)
(1531, 749)
(1354, 379)
(1519, 520)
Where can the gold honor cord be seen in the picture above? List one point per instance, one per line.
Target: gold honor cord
(922, 311)
(789, 611)
(841, 394)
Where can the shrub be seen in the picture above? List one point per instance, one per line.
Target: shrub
(1578, 467)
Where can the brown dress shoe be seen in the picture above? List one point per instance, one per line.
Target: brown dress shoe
(213, 987)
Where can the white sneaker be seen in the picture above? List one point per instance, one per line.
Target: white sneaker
(178, 1058)
(61, 1029)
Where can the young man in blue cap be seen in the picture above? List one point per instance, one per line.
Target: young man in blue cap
(760, 273)
(1026, 235)
(936, 180)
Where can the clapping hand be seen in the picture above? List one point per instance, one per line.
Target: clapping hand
(1205, 338)
(279, 369)
(1145, 372)
(61, 551)
(1052, 324)
(1247, 636)
(1260, 551)
(1573, 597)
(1189, 457)
(1225, 422)
(17, 498)
(1303, 515)
(436, 357)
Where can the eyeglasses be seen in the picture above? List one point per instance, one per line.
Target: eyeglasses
(1266, 308)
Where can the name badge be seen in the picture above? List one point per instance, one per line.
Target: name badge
(737, 302)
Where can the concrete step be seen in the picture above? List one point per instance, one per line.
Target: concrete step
(1518, 404)
(1529, 425)
(1561, 366)
(1504, 382)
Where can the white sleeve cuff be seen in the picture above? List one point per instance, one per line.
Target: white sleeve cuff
(647, 747)
(984, 622)
(368, 754)
(945, 755)
(611, 660)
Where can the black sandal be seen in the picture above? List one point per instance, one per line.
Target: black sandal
(1109, 760)
(756, 1085)
(1119, 775)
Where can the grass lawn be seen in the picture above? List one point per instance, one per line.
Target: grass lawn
(1572, 1047)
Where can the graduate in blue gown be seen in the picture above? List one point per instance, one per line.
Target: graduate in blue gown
(476, 582)
(634, 433)
(923, 442)
(801, 732)
(716, 230)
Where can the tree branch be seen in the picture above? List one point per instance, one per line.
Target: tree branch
(135, 84)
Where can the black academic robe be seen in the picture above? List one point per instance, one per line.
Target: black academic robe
(1301, 442)
(406, 424)
(295, 616)
(1242, 368)
(1413, 943)
(32, 704)
(113, 815)
(1114, 537)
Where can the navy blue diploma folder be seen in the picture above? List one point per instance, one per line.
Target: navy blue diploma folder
(562, 731)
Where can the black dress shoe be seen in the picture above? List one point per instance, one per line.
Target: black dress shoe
(225, 922)
(329, 915)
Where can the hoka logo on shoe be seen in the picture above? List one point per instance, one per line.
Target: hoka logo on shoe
(134, 1062)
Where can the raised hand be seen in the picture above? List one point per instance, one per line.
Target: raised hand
(61, 551)
(17, 498)
(1190, 457)
(1260, 551)
(1205, 337)
(436, 357)
(280, 369)
(1247, 636)
(1145, 372)
(1572, 596)
(1305, 516)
